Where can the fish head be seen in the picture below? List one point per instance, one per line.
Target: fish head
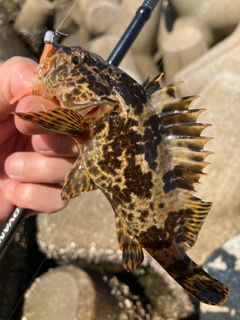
(76, 78)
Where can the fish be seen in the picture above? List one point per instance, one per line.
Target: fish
(142, 146)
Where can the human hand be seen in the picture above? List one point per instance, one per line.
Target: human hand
(32, 165)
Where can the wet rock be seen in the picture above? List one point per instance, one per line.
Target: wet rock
(12, 8)
(131, 305)
(68, 292)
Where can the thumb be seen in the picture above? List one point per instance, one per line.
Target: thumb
(16, 74)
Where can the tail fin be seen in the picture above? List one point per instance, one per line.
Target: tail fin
(196, 281)
(201, 285)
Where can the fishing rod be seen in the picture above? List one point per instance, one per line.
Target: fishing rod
(143, 13)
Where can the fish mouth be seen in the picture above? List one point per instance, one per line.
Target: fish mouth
(90, 113)
(86, 112)
(97, 113)
(88, 109)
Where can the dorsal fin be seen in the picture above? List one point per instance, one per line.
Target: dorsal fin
(151, 85)
(186, 156)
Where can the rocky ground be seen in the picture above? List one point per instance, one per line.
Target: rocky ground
(67, 265)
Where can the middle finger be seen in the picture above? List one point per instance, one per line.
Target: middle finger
(55, 145)
(34, 167)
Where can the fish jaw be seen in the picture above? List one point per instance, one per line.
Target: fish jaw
(45, 67)
(40, 89)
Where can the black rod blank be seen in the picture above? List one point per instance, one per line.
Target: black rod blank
(11, 227)
(143, 13)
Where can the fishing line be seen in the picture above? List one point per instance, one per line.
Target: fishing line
(69, 11)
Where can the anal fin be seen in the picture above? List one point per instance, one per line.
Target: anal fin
(195, 213)
(132, 255)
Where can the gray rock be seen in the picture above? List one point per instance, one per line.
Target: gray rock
(68, 293)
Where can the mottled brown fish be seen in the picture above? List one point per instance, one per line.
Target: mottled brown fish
(143, 148)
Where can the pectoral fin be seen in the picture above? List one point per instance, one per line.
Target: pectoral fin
(60, 120)
(132, 255)
(77, 181)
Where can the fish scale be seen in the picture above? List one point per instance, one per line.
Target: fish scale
(143, 148)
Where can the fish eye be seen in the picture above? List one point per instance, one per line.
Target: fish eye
(75, 60)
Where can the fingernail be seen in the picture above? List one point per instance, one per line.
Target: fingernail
(14, 166)
(35, 106)
(48, 143)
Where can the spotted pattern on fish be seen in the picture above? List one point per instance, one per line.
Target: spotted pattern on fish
(142, 146)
